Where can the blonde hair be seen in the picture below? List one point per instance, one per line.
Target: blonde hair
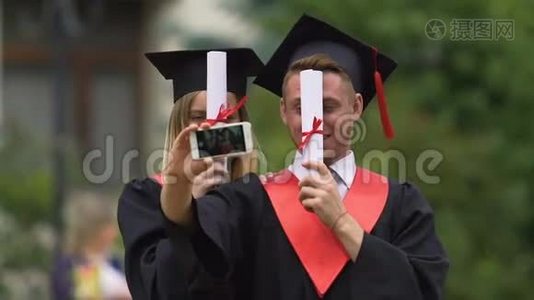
(179, 119)
(319, 62)
(85, 215)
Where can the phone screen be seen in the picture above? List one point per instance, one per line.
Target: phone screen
(220, 141)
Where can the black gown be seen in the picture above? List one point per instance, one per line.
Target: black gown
(159, 260)
(239, 237)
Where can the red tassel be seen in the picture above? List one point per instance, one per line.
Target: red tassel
(383, 107)
(382, 103)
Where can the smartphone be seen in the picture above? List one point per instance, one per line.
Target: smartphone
(222, 141)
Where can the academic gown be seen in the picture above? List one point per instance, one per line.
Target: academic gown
(159, 260)
(239, 236)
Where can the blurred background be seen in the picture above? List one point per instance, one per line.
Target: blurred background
(83, 112)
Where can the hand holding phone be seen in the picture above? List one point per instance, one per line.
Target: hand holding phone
(227, 140)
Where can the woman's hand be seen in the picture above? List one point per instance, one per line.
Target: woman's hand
(264, 178)
(216, 174)
(180, 166)
(178, 176)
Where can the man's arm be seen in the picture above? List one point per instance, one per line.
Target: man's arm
(319, 194)
(408, 257)
(412, 265)
(350, 234)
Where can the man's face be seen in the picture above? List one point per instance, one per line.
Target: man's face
(340, 104)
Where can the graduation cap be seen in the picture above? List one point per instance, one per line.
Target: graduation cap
(188, 69)
(366, 67)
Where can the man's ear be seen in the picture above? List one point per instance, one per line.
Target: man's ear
(283, 109)
(357, 105)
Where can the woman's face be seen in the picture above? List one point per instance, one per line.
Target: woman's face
(197, 110)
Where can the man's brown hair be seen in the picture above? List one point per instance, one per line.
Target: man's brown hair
(318, 62)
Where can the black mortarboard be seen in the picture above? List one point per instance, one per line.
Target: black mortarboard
(366, 67)
(188, 69)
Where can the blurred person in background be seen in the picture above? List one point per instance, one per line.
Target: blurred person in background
(160, 262)
(86, 268)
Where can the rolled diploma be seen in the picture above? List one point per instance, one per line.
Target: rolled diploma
(311, 105)
(216, 87)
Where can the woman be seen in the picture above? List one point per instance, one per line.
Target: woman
(85, 268)
(155, 267)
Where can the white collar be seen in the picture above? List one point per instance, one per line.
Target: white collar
(344, 167)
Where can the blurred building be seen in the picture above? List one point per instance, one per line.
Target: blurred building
(101, 45)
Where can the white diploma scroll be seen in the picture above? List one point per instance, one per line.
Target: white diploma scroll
(216, 83)
(216, 87)
(311, 106)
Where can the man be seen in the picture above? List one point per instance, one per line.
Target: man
(346, 234)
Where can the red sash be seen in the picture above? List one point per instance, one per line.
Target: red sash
(157, 178)
(319, 251)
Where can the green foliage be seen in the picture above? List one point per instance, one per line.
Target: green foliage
(25, 179)
(28, 197)
(25, 202)
(21, 250)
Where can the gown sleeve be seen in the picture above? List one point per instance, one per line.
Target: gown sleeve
(158, 254)
(227, 220)
(413, 264)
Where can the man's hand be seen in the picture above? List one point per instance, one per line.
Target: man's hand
(319, 194)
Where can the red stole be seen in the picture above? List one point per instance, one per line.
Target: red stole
(319, 251)
(158, 178)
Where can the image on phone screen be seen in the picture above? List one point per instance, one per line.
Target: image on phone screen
(220, 141)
